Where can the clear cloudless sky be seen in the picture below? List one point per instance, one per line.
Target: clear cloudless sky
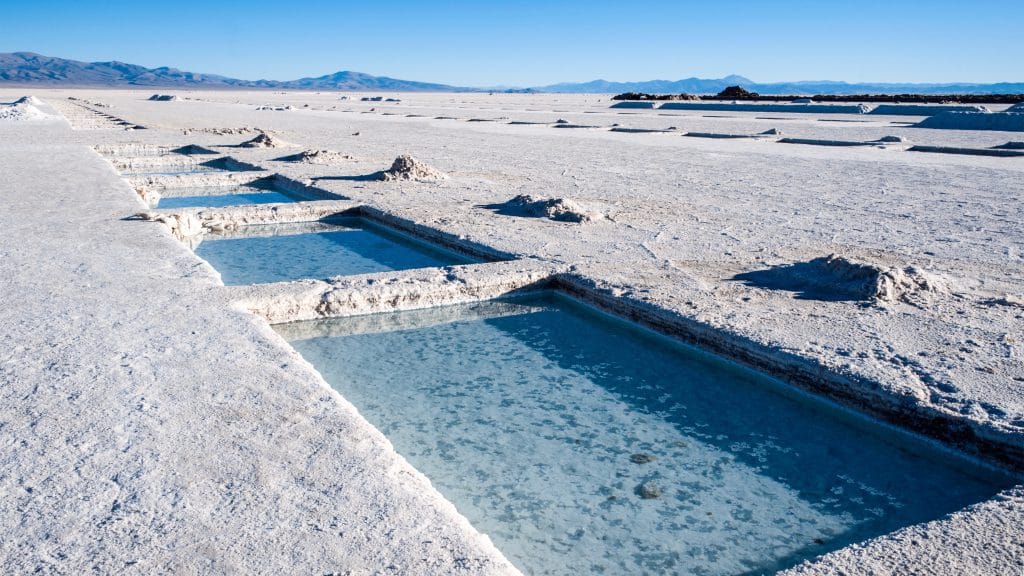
(532, 43)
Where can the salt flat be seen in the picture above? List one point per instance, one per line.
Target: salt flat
(152, 423)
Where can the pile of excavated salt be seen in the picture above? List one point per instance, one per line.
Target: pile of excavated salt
(558, 209)
(185, 227)
(23, 109)
(840, 278)
(265, 140)
(163, 98)
(316, 157)
(409, 168)
(29, 100)
(221, 131)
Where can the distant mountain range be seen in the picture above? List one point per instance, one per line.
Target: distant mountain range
(34, 69)
(30, 68)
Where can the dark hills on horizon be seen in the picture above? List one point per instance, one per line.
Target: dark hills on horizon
(27, 68)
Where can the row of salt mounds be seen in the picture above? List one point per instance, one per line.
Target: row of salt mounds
(837, 278)
(923, 109)
(795, 108)
(1002, 121)
(23, 109)
(558, 209)
(163, 98)
(409, 168)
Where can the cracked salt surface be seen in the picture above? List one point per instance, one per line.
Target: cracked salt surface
(318, 250)
(580, 444)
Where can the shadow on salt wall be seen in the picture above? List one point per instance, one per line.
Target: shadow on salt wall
(826, 279)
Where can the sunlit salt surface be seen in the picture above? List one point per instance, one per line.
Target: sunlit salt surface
(222, 196)
(582, 445)
(342, 247)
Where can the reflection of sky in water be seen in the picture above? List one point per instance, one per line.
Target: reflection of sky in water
(352, 247)
(529, 424)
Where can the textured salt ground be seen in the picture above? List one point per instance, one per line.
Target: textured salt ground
(691, 214)
(119, 456)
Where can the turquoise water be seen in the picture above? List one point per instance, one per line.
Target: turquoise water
(235, 196)
(581, 444)
(346, 246)
(172, 169)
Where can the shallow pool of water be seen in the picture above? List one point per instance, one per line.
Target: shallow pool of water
(342, 247)
(172, 170)
(581, 444)
(222, 196)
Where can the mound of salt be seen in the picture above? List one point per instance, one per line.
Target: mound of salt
(164, 98)
(911, 285)
(29, 100)
(265, 140)
(772, 132)
(408, 168)
(558, 209)
(316, 157)
(221, 131)
(184, 227)
(1011, 145)
(891, 139)
(21, 111)
(837, 278)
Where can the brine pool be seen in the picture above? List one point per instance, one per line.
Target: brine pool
(343, 246)
(583, 444)
(222, 196)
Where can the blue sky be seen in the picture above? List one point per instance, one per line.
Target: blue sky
(532, 43)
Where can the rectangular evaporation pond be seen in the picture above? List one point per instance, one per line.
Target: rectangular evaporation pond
(215, 197)
(173, 169)
(320, 250)
(582, 444)
(186, 167)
